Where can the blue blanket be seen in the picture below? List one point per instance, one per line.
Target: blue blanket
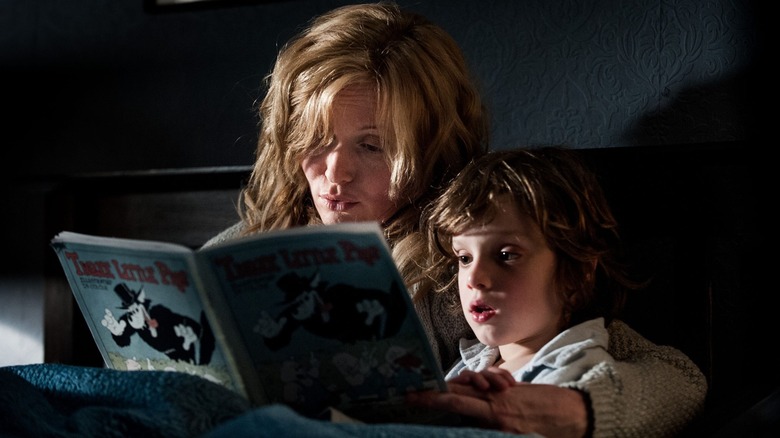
(53, 400)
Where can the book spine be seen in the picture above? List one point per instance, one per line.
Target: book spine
(226, 332)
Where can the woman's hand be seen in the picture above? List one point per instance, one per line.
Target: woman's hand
(495, 402)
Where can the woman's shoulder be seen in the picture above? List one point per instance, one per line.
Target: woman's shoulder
(624, 340)
(232, 232)
(626, 343)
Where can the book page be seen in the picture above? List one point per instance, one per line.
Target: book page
(325, 319)
(141, 306)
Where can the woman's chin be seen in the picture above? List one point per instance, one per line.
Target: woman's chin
(335, 217)
(332, 217)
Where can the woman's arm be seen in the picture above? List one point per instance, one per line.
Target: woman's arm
(525, 408)
(649, 391)
(661, 390)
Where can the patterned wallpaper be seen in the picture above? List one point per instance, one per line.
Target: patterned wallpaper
(108, 86)
(600, 73)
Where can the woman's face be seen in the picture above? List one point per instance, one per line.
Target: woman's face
(349, 179)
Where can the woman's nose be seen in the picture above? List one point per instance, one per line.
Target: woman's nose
(340, 166)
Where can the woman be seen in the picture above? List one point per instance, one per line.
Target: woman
(370, 111)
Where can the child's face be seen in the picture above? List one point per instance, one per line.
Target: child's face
(506, 280)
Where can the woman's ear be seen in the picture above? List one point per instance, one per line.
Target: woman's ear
(590, 276)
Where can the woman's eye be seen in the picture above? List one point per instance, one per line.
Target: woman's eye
(464, 259)
(370, 147)
(507, 256)
(317, 149)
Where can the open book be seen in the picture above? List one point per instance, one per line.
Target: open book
(313, 317)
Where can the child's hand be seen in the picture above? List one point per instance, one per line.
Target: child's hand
(491, 379)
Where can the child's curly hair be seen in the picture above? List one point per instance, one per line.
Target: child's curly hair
(553, 186)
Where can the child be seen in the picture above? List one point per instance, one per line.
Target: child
(533, 238)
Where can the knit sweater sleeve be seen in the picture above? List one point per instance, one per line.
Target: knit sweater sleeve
(444, 329)
(649, 391)
(230, 233)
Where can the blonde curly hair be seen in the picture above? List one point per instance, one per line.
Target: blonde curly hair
(431, 112)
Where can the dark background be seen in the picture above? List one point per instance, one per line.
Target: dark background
(118, 85)
(104, 85)
(107, 87)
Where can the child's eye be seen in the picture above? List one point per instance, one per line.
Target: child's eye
(463, 259)
(508, 256)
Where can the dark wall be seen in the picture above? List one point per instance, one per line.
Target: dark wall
(103, 85)
(108, 85)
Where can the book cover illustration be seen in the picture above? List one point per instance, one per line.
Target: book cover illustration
(327, 320)
(142, 309)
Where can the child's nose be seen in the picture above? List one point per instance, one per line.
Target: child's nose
(479, 275)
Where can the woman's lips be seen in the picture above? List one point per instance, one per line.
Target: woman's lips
(336, 204)
(481, 312)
